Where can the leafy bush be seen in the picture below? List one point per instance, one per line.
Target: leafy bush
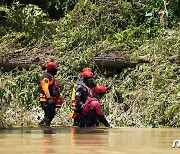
(28, 25)
(54, 8)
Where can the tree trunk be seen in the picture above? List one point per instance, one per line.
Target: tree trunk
(117, 61)
(25, 57)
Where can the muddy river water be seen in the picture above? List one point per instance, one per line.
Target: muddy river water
(72, 140)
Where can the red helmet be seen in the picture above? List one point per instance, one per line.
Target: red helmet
(86, 69)
(100, 89)
(87, 74)
(50, 65)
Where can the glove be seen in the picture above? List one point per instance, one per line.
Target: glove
(110, 126)
(49, 101)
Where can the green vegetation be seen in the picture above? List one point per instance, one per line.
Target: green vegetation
(145, 96)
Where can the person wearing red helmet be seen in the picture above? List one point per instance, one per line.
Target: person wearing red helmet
(92, 109)
(50, 98)
(81, 91)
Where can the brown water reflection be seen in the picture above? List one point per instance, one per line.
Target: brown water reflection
(73, 140)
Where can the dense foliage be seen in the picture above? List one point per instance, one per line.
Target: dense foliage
(147, 95)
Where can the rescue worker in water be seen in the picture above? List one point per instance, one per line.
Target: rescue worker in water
(81, 91)
(92, 109)
(50, 98)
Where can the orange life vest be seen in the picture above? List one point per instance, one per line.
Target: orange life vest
(50, 89)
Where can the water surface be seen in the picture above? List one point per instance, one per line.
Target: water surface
(72, 140)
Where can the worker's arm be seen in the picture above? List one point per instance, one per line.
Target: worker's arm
(102, 119)
(100, 114)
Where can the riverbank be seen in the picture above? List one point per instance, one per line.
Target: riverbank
(143, 94)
